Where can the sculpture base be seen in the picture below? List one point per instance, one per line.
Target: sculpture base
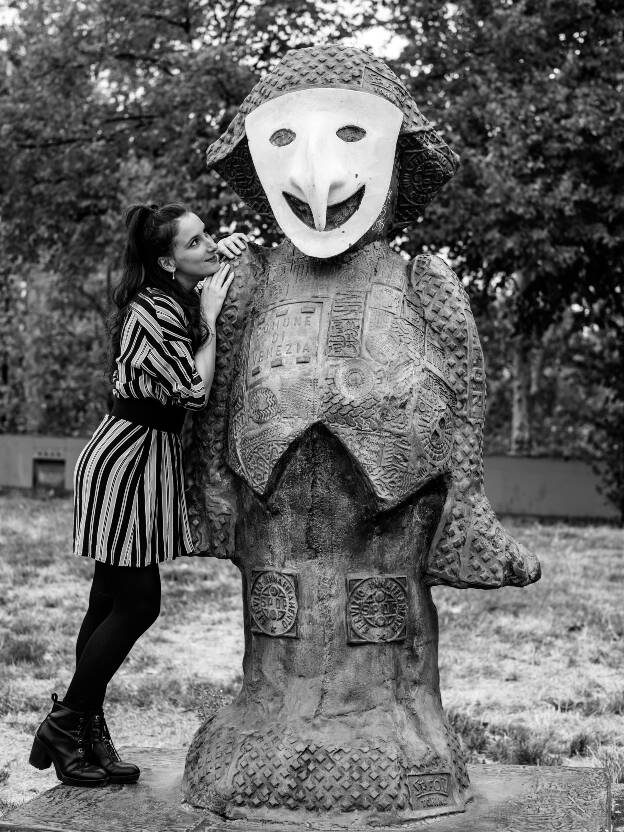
(506, 799)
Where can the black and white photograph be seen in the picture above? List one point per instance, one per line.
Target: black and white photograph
(311, 416)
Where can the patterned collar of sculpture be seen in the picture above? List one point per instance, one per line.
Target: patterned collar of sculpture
(372, 98)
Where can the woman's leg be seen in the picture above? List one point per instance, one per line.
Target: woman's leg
(67, 736)
(135, 593)
(100, 605)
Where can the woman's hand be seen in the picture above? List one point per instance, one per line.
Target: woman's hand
(213, 293)
(233, 246)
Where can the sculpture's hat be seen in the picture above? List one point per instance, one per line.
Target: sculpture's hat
(426, 162)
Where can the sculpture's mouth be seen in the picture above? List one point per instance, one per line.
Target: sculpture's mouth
(336, 214)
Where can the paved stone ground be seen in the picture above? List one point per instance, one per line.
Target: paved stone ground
(507, 799)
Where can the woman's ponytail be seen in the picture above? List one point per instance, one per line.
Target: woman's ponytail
(133, 267)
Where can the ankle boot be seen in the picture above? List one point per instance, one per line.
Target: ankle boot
(62, 739)
(104, 753)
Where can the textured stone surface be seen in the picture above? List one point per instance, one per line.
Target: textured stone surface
(506, 799)
(153, 803)
(340, 709)
(339, 466)
(386, 355)
(345, 447)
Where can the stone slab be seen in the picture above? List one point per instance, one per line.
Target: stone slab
(506, 799)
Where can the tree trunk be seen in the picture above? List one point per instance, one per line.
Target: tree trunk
(521, 385)
(34, 421)
(521, 438)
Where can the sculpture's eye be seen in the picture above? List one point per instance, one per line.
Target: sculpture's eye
(282, 137)
(351, 133)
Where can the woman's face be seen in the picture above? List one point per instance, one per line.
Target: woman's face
(194, 251)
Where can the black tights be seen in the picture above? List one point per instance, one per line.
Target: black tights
(124, 602)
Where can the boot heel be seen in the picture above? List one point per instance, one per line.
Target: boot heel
(39, 757)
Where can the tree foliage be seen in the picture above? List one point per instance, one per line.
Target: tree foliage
(104, 103)
(109, 101)
(529, 94)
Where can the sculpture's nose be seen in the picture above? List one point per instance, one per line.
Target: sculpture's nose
(315, 176)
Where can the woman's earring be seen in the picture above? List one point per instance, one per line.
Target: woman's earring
(173, 274)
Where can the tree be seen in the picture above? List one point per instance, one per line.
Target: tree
(599, 360)
(529, 94)
(103, 104)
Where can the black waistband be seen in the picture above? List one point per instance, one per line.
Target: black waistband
(150, 413)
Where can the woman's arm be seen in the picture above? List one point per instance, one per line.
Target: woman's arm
(205, 361)
(212, 296)
(233, 245)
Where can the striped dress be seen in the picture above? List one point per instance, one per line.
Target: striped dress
(129, 505)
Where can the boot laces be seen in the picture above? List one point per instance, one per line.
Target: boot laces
(82, 730)
(108, 739)
(102, 734)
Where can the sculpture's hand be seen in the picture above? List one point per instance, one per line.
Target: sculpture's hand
(470, 547)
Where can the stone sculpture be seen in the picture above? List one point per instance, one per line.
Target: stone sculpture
(339, 463)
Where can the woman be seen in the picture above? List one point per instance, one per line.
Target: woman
(129, 507)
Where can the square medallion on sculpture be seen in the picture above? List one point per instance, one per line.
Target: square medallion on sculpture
(273, 603)
(376, 608)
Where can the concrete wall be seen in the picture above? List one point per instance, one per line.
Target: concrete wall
(515, 485)
(44, 459)
(545, 487)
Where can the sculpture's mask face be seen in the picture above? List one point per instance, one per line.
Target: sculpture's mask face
(325, 158)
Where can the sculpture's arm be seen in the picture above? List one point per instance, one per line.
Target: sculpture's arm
(470, 546)
(210, 490)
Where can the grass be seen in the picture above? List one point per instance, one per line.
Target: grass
(534, 676)
(531, 676)
(180, 672)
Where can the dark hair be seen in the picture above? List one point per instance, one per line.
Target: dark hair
(151, 232)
